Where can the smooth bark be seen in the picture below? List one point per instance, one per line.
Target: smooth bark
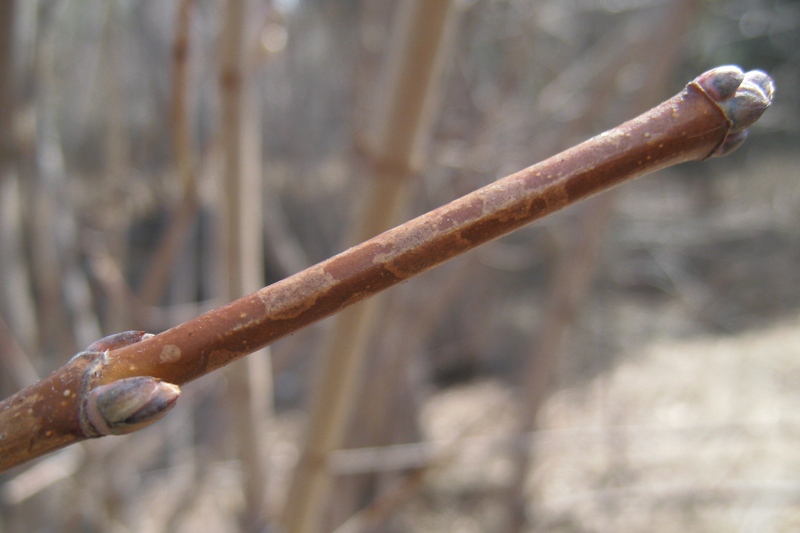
(707, 118)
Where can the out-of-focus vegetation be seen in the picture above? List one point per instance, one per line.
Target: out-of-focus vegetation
(91, 185)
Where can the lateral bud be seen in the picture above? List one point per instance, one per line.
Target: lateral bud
(129, 404)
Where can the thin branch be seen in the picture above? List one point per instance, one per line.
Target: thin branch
(174, 239)
(94, 395)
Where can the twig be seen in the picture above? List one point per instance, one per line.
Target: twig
(708, 118)
(183, 216)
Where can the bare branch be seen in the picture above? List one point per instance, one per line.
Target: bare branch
(707, 118)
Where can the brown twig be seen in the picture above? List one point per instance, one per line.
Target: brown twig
(707, 118)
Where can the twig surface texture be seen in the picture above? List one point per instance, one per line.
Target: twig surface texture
(707, 118)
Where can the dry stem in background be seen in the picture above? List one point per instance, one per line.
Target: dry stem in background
(402, 121)
(241, 250)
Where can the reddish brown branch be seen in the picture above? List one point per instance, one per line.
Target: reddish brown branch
(707, 118)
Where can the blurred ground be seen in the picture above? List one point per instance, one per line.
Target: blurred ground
(698, 435)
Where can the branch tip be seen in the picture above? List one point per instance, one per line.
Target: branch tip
(741, 96)
(750, 100)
